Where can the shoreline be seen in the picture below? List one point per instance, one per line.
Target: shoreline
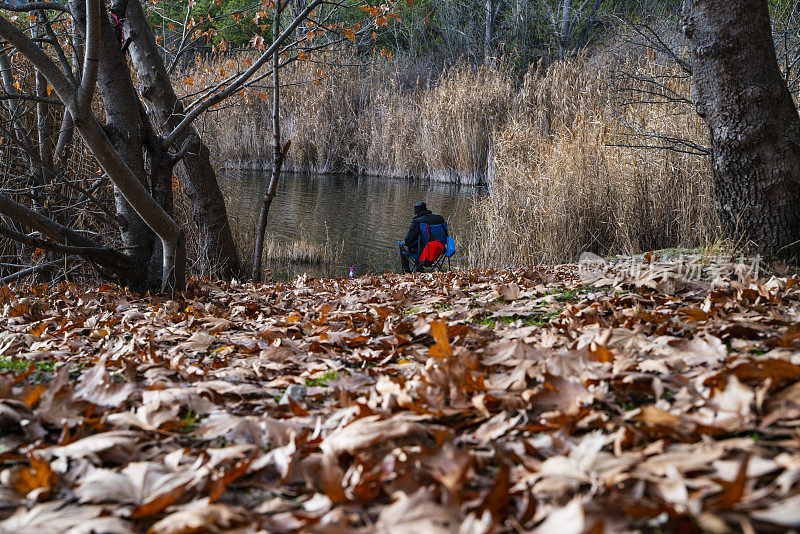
(441, 176)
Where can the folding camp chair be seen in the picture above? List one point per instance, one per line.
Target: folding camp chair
(435, 248)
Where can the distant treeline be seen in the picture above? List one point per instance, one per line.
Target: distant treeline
(522, 31)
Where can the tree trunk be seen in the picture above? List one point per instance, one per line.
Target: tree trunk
(7, 78)
(78, 102)
(44, 122)
(66, 133)
(487, 47)
(564, 28)
(124, 130)
(44, 127)
(200, 182)
(161, 167)
(277, 158)
(753, 123)
(64, 139)
(13, 104)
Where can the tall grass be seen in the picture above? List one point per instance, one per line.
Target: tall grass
(549, 146)
(302, 251)
(562, 185)
(366, 120)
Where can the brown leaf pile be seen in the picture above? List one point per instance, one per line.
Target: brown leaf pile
(470, 402)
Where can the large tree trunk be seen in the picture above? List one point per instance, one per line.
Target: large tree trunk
(208, 206)
(78, 101)
(565, 28)
(754, 125)
(124, 130)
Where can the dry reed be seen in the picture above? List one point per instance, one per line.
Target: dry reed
(561, 186)
(365, 120)
(301, 251)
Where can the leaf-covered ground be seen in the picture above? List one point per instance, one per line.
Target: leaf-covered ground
(469, 402)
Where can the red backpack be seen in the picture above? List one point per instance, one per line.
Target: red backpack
(432, 250)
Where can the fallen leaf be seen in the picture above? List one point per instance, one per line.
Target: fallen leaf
(54, 516)
(370, 431)
(509, 292)
(201, 516)
(149, 486)
(566, 520)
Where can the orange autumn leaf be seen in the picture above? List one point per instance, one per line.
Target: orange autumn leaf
(36, 475)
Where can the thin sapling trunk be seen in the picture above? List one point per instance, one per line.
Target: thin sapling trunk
(278, 154)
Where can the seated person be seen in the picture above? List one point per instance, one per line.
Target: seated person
(421, 215)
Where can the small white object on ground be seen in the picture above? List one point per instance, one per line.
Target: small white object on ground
(296, 391)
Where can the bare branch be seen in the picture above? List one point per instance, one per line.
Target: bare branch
(91, 58)
(49, 245)
(61, 85)
(242, 79)
(35, 269)
(33, 6)
(65, 64)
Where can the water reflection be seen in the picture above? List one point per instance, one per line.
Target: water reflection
(360, 215)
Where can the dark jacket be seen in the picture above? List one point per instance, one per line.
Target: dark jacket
(412, 237)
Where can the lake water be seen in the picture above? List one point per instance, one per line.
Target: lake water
(359, 216)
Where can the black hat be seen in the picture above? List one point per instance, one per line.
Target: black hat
(419, 207)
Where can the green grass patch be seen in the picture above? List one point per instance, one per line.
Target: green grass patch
(17, 365)
(413, 310)
(527, 320)
(441, 306)
(11, 364)
(46, 366)
(567, 295)
(191, 421)
(44, 369)
(323, 379)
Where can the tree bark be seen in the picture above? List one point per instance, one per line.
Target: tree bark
(565, 29)
(44, 122)
(66, 133)
(7, 78)
(13, 104)
(753, 123)
(489, 37)
(64, 139)
(124, 130)
(78, 100)
(200, 182)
